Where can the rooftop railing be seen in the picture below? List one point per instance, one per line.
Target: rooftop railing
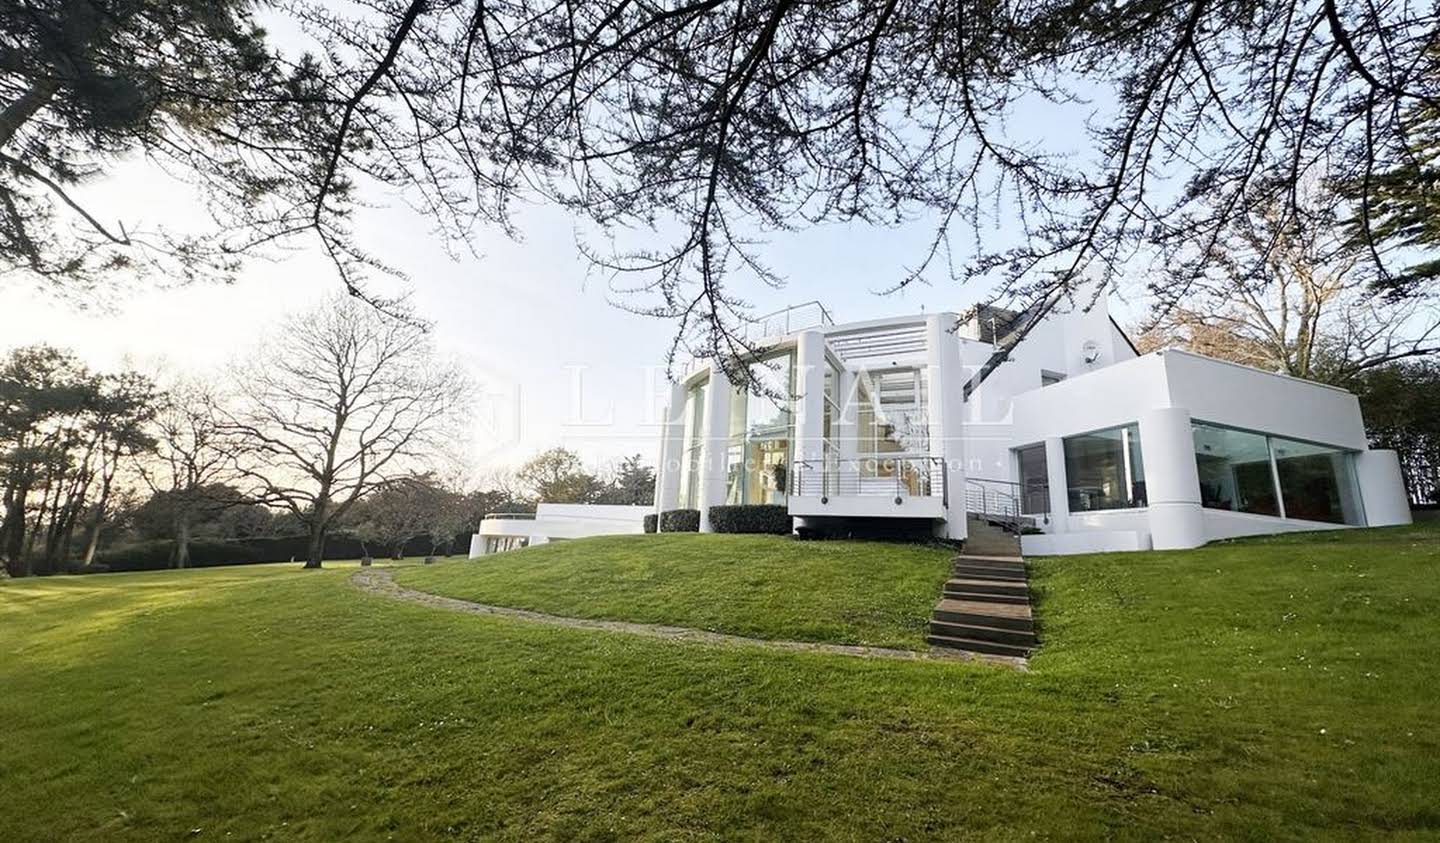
(811, 314)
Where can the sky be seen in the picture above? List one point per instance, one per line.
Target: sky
(554, 361)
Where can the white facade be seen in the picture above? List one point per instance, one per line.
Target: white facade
(1074, 435)
(554, 522)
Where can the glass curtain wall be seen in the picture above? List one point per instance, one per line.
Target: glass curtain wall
(1269, 475)
(1105, 469)
(694, 438)
(758, 455)
(892, 423)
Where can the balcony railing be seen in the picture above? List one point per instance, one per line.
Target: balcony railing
(898, 477)
(510, 516)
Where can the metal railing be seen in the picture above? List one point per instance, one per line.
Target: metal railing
(810, 314)
(897, 477)
(509, 516)
(1006, 502)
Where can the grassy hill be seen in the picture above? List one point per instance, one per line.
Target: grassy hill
(1270, 689)
(848, 592)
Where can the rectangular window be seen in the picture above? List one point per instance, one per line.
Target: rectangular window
(1105, 469)
(1034, 479)
(892, 412)
(758, 453)
(1317, 482)
(1268, 475)
(1234, 469)
(694, 440)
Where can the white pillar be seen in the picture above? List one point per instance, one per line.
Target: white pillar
(716, 439)
(1382, 488)
(1172, 482)
(477, 545)
(672, 451)
(1057, 486)
(946, 416)
(809, 444)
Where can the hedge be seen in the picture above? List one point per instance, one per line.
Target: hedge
(680, 521)
(651, 522)
(755, 518)
(205, 553)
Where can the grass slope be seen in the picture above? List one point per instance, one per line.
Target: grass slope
(847, 592)
(1280, 689)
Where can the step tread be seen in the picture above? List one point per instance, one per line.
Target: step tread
(962, 582)
(980, 557)
(1000, 634)
(994, 648)
(1017, 611)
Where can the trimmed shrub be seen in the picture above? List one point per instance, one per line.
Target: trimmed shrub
(680, 521)
(651, 522)
(755, 518)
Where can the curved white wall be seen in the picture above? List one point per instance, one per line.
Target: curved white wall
(1382, 488)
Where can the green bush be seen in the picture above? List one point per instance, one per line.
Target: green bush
(756, 518)
(651, 522)
(680, 521)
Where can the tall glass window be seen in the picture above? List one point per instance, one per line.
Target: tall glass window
(1234, 468)
(1269, 475)
(758, 455)
(1034, 479)
(694, 440)
(1105, 469)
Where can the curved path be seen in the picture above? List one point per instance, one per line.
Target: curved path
(381, 581)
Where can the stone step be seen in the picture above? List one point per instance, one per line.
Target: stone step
(976, 632)
(993, 559)
(979, 586)
(990, 550)
(983, 597)
(979, 573)
(975, 645)
(1007, 615)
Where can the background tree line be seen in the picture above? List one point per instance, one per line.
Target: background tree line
(342, 424)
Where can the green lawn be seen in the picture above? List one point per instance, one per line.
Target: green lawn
(764, 586)
(1277, 689)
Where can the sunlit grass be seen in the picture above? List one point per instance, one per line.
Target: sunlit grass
(1259, 690)
(847, 592)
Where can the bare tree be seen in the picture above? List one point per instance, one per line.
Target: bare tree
(190, 463)
(340, 402)
(1293, 295)
(715, 122)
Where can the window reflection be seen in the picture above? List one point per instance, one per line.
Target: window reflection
(1105, 470)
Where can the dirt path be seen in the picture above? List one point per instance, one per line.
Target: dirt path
(381, 581)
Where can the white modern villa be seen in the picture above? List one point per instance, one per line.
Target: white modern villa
(1077, 439)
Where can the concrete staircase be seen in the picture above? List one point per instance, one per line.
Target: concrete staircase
(985, 607)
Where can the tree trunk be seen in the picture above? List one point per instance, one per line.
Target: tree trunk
(92, 537)
(14, 533)
(182, 540)
(317, 546)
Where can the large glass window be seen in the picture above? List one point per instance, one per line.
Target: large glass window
(1105, 469)
(758, 456)
(1268, 475)
(1317, 482)
(1234, 468)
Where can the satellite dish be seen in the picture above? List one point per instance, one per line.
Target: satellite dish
(1090, 352)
